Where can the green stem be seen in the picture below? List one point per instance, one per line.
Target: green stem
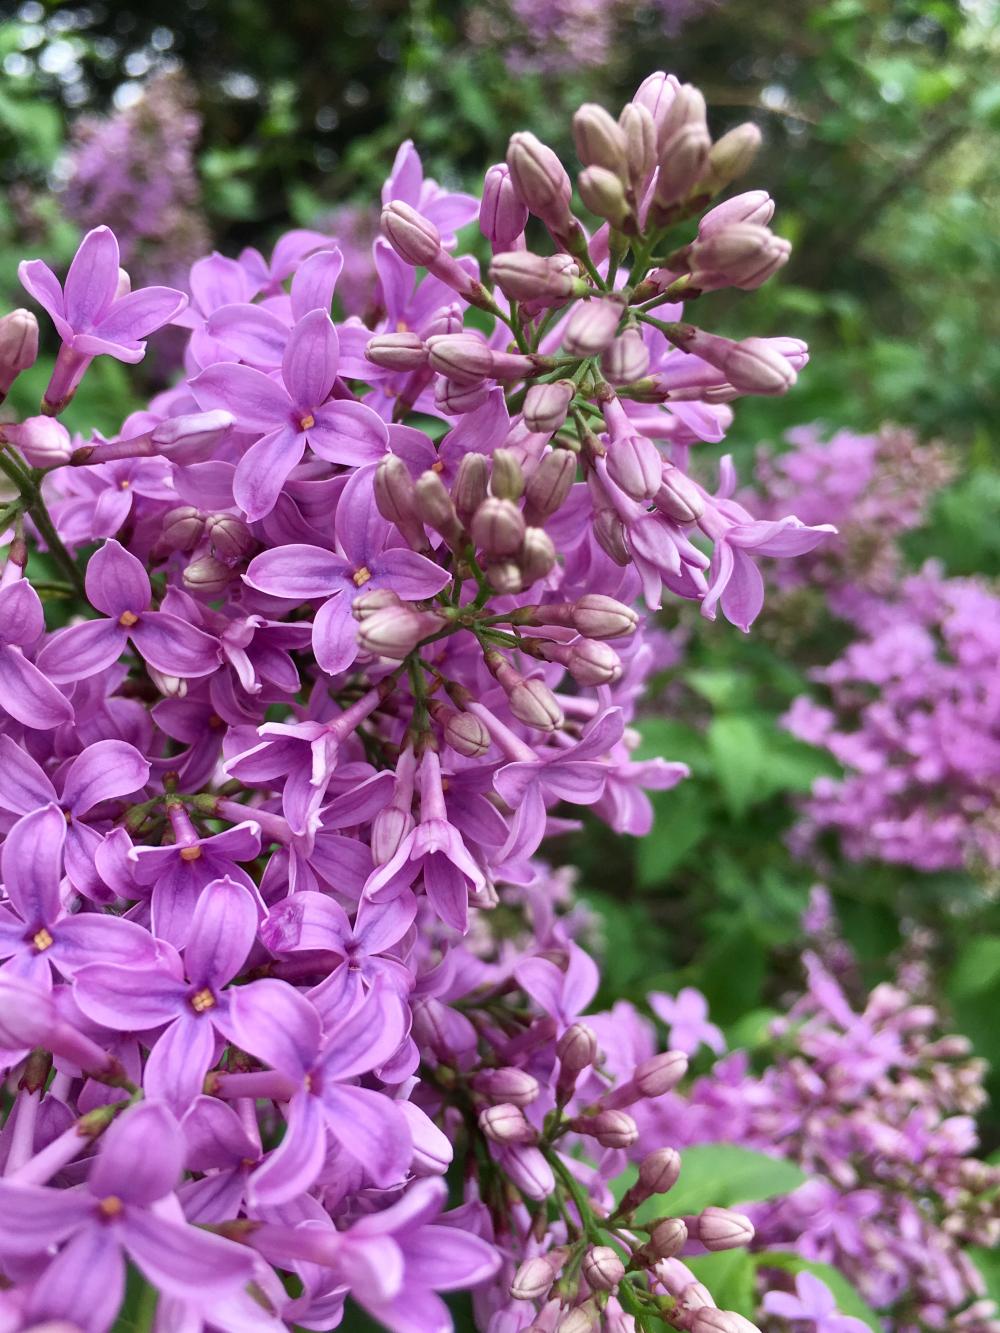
(577, 1195)
(35, 505)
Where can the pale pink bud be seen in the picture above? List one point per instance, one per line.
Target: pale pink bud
(396, 351)
(465, 733)
(505, 577)
(687, 107)
(534, 704)
(639, 129)
(182, 528)
(678, 497)
(389, 827)
(722, 1229)
(754, 366)
(682, 162)
(660, 1170)
(171, 687)
(602, 1268)
(523, 276)
(537, 557)
(502, 215)
(581, 1319)
(43, 441)
(549, 485)
(635, 464)
(514, 1086)
(528, 1170)
(657, 93)
(660, 1073)
(626, 359)
(546, 405)
(432, 1150)
(193, 436)
(395, 498)
(460, 356)
(741, 255)
(507, 1123)
(471, 485)
(668, 1237)
(611, 1129)
(721, 1321)
(592, 326)
(610, 534)
(577, 1051)
(435, 506)
(413, 238)
(498, 527)
(604, 194)
(230, 537)
(599, 617)
(207, 575)
(732, 156)
(599, 139)
(18, 346)
(593, 663)
(455, 397)
(540, 180)
(506, 477)
(534, 1278)
(755, 206)
(395, 631)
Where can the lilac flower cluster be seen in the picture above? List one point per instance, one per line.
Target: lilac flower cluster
(135, 172)
(356, 619)
(877, 1106)
(915, 721)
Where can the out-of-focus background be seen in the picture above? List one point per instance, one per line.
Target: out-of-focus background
(852, 739)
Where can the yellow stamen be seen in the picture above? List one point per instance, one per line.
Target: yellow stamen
(42, 940)
(112, 1206)
(307, 422)
(124, 485)
(190, 853)
(362, 575)
(128, 619)
(202, 1000)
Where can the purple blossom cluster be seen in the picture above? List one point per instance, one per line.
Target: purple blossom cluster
(134, 171)
(914, 718)
(876, 1103)
(356, 623)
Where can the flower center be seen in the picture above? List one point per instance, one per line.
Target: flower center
(202, 1000)
(124, 485)
(191, 853)
(307, 422)
(128, 619)
(361, 576)
(112, 1206)
(42, 940)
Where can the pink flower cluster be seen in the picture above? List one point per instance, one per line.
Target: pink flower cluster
(356, 624)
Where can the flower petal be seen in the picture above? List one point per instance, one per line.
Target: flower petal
(104, 771)
(79, 651)
(116, 581)
(92, 279)
(28, 695)
(141, 1155)
(263, 470)
(32, 865)
(309, 365)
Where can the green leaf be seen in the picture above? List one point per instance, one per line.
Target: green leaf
(977, 967)
(729, 1276)
(682, 819)
(843, 1291)
(738, 752)
(724, 1175)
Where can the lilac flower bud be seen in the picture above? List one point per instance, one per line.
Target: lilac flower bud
(639, 130)
(171, 687)
(732, 156)
(389, 827)
(592, 326)
(435, 507)
(549, 485)
(394, 631)
(534, 1278)
(43, 441)
(721, 1321)
(369, 601)
(635, 464)
(502, 215)
(507, 479)
(523, 276)
(531, 701)
(660, 1073)
(182, 528)
(507, 1123)
(207, 576)
(581, 1319)
(755, 206)
(600, 140)
(682, 162)
(505, 577)
(604, 194)
(592, 663)
(540, 180)
(546, 405)
(610, 534)
(455, 398)
(515, 1086)
(18, 346)
(413, 238)
(528, 1170)
(598, 617)
(602, 1268)
(687, 107)
(230, 537)
(471, 485)
(678, 497)
(667, 1237)
(753, 366)
(741, 255)
(537, 557)
(497, 527)
(460, 356)
(722, 1229)
(611, 1129)
(192, 437)
(577, 1051)
(659, 1170)
(396, 351)
(626, 359)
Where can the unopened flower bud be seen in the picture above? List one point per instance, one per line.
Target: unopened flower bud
(603, 193)
(192, 437)
(721, 1321)
(537, 557)
(549, 485)
(659, 1171)
(732, 156)
(502, 215)
(682, 162)
(722, 1229)
(742, 255)
(505, 577)
(636, 465)
(465, 733)
(592, 663)
(523, 276)
(43, 441)
(507, 479)
(230, 537)
(507, 1123)
(413, 238)
(577, 1051)
(546, 405)
(456, 397)
(395, 498)
(626, 359)
(540, 180)
(396, 351)
(611, 1129)
(497, 527)
(609, 532)
(18, 346)
(471, 485)
(598, 617)
(657, 93)
(394, 632)
(528, 1170)
(534, 704)
(460, 356)
(182, 528)
(389, 827)
(599, 139)
(678, 497)
(639, 129)
(435, 507)
(515, 1086)
(592, 326)
(369, 601)
(581, 1319)
(171, 687)
(602, 1268)
(207, 576)
(668, 1237)
(534, 1278)
(755, 206)
(754, 366)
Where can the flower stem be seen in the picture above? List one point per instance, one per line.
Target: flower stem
(31, 495)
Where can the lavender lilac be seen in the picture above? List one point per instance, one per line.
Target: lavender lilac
(329, 678)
